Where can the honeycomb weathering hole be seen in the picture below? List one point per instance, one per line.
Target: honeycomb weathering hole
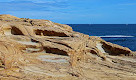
(49, 33)
(55, 51)
(16, 31)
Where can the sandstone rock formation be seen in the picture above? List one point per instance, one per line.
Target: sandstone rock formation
(32, 49)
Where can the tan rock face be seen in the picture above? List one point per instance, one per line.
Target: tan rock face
(41, 49)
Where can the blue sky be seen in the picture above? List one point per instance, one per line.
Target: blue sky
(73, 11)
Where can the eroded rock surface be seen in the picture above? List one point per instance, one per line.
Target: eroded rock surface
(32, 49)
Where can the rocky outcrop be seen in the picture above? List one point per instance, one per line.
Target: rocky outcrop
(41, 49)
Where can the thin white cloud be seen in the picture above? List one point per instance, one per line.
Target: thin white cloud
(36, 1)
(27, 5)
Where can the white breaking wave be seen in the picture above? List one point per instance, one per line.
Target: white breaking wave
(118, 36)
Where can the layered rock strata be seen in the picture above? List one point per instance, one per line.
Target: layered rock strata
(32, 49)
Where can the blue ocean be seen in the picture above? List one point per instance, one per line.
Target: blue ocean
(122, 34)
